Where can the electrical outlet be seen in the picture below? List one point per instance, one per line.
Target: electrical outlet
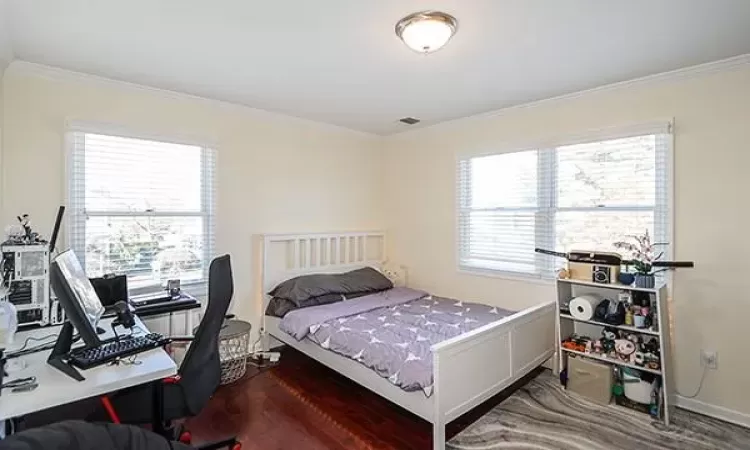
(710, 359)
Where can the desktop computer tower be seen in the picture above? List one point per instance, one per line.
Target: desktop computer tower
(26, 271)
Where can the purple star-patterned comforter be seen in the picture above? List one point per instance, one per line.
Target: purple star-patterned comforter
(390, 332)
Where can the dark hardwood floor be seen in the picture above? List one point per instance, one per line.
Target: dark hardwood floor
(301, 404)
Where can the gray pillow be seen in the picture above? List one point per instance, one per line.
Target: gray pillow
(299, 289)
(278, 307)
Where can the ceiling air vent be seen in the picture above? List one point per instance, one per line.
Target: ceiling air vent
(409, 120)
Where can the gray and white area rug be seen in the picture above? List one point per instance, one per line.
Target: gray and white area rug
(541, 416)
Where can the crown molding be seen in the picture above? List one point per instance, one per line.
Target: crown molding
(721, 65)
(26, 68)
(58, 74)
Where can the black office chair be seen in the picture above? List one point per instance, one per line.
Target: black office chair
(199, 374)
(77, 435)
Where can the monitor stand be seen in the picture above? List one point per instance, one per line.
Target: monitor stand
(60, 351)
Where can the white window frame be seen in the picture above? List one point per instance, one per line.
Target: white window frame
(546, 194)
(77, 214)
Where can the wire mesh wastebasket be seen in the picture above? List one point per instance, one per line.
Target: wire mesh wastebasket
(234, 349)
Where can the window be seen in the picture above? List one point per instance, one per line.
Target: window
(142, 208)
(581, 196)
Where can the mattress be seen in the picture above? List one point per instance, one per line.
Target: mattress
(390, 332)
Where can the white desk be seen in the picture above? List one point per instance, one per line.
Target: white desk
(56, 388)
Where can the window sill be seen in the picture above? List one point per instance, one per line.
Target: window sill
(505, 275)
(198, 289)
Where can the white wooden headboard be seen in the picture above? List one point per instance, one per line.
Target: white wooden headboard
(287, 256)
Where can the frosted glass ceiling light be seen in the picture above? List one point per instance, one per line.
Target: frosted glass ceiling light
(426, 31)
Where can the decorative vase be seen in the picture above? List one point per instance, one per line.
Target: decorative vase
(644, 281)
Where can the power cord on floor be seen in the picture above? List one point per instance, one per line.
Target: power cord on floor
(262, 366)
(260, 371)
(700, 385)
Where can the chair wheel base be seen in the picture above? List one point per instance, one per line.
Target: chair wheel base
(186, 437)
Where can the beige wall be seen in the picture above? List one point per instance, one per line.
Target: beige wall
(712, 156)
(280, 174)
(275, 174)
(3, 66)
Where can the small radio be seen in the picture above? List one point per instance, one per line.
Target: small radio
(597, 267)
(601, 274)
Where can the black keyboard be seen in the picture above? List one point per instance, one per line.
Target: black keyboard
(87, 358)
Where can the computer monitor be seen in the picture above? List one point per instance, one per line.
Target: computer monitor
(77, 296)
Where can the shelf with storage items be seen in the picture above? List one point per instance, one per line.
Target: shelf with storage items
(656, 335)
(628, 328)
(609, 360)
(618, 286)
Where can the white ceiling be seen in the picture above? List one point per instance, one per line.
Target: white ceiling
(339, 61)
(6, 54)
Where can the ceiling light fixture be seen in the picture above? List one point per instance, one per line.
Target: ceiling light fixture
(426, 31)
(409, 120)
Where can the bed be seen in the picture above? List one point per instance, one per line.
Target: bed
(467, 369)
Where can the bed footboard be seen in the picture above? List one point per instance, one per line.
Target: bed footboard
(471, 368)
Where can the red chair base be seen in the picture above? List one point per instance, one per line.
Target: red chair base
(186, 437)
(110, 409)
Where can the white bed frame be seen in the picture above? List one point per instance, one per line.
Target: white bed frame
(468, 369)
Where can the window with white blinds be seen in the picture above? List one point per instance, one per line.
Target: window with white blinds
(142, 208)
(581, 196)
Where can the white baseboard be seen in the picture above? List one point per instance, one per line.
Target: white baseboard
(717, 412)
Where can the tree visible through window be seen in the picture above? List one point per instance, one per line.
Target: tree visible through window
(142, 208)
(573, 197)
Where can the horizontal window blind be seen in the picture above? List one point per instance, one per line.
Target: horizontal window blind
(571, 197)
(142, 208)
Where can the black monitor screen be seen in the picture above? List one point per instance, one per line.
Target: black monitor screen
(70, 283)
